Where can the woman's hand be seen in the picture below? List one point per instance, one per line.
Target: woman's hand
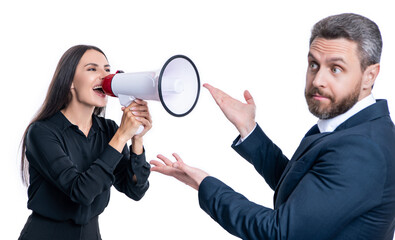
(134, 115)
(141, 112)
(179, 170)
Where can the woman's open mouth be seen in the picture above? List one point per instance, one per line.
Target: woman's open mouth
(99, 90)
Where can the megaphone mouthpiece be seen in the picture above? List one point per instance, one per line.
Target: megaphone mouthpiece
(106, 85)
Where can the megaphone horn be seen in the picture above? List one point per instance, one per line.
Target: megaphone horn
(176, 85)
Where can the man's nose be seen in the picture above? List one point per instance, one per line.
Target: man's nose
(320, 79)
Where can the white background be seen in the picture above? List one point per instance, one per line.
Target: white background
(236, 45)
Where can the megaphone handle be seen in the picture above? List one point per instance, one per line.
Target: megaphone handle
(126, 101)
(141, 128)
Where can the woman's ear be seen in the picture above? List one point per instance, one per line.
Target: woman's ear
(370, 75)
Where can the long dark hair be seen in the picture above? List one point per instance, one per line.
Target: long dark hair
(58, 95)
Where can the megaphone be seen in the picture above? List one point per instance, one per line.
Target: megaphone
(176, 85)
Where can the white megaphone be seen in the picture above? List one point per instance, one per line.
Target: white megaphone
(176, 85)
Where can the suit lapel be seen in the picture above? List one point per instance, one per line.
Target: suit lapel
(294, 172)
(306, 141)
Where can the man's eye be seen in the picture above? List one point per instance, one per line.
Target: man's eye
(336, 70)
(313, 65)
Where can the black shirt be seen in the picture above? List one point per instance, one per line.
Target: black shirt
(71, 174)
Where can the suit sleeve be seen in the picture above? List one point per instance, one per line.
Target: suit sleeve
(264, 155)
(346, 181)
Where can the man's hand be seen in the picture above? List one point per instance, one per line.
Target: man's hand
(179, 170)
(242, 115)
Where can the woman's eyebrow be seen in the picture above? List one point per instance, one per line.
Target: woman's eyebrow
(96, 65)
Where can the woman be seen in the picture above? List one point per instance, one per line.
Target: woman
(73, 156)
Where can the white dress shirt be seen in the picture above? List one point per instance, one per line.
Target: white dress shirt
(329, 125)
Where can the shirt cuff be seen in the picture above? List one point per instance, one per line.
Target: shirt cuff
(111, 157)
(140, 167)
(242, 139)
(138, 160)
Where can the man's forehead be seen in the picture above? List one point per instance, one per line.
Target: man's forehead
(340, 47)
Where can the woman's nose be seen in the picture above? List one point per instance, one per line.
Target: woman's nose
(103, 74)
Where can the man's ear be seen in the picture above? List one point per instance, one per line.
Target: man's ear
(370, 75)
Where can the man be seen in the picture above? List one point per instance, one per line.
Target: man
(340, 183)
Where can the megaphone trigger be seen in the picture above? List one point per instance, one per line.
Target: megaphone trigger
(125, 100)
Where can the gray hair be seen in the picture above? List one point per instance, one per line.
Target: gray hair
(356, 28)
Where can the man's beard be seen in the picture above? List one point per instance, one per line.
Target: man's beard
(335, 108)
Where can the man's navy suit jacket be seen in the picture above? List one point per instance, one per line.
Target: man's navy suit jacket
(338, 185)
